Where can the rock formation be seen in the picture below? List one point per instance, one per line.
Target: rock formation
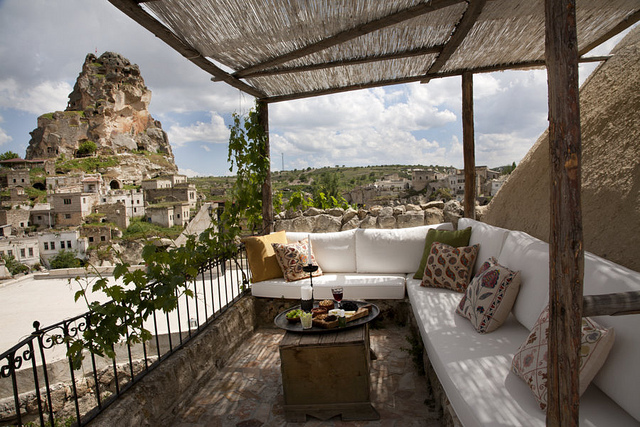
(610, 126)
(108, 106)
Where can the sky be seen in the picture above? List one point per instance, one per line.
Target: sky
(43, 44)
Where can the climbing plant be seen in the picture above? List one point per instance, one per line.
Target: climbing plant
(137, 293)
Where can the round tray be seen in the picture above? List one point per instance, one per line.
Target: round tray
(282, 322)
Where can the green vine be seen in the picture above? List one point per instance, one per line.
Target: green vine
(138, 293)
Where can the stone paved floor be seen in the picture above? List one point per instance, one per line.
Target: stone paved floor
(248, 391)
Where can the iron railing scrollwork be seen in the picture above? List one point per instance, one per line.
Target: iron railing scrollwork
(36, 373)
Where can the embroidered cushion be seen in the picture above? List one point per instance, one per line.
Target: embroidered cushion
(292, 257)
(455, 238)
(262, 258)
(530, 361)
(449, 267)
(490, 296)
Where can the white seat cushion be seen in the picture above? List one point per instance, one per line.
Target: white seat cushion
(602, 277)
(489, 237)
(335, 252)
(356, 286)
(474, 368)
(392, 250)
(524, 253)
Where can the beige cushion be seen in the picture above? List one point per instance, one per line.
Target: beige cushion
(530, 361)
(490, 296)
(261, 256)
(449, 267)
(292, 257)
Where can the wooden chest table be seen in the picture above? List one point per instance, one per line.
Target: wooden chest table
(327, 374)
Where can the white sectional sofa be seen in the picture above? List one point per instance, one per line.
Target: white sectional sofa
(368, 263)
(473, 368)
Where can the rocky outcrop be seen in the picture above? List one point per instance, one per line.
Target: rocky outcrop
(109, 107)
(609, 105)
(315, 220)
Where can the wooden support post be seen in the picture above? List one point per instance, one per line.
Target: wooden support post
(468, 145)
(267, 197)
(566, 253)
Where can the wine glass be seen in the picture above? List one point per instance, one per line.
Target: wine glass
(337, 295)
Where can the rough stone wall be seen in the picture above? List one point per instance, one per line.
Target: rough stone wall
(153, 400)
(609, 106)
(315, 220)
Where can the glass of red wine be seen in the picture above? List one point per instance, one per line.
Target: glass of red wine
(337, 295)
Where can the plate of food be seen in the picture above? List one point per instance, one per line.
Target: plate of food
(326, 318)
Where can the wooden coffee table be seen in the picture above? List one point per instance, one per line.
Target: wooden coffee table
(324, 375)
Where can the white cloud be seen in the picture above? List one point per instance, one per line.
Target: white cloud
(190, 173)
(43, 98)
(4, 138)
(213, 132)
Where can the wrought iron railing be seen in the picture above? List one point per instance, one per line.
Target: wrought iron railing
(39, 386)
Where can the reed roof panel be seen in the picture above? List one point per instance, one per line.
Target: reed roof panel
(283, 49)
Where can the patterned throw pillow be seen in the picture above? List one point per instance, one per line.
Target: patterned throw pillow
(530, 362)
(490, 296)
(449, 267)
(292, 257)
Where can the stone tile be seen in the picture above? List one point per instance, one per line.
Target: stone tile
(247, 392)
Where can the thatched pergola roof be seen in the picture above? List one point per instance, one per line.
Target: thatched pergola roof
(285, 49)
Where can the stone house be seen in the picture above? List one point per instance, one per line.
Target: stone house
(133, 201)
(115, 213)
(41, 216)
(92, 183)
(24, 249)
(96, 235)
(157, 183)
(18, 178)
(51, 243)
(68, 183)
(70, 209)
(169, 214)
(18, 218)
(420, 178)
(183, 192)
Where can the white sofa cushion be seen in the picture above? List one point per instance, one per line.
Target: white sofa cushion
(474, 368)
(392, 250)
(335, 252)
(619, 377)
(531, 257)
(489, 237)
(356, 286)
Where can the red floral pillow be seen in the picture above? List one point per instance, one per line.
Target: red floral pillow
(292, 257)
(449, 267)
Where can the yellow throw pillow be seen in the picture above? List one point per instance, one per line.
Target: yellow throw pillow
(262, 257)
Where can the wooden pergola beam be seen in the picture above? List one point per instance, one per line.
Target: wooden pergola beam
(352, 33)
(611, 304)
(468, 147)
(566, 253)
(132, 9)
(462, 29)
(333, 64)
(631, 19)
(262, 109)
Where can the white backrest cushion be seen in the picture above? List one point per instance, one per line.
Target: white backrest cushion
(524, 253)
(619, 377)
(392, 250)
(489, 237)
(335, 252)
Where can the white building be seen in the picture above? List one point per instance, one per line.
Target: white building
(133, 201)
(51, 243)
(24, 249)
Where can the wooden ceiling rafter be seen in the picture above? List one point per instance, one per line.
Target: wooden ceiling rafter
(132, 9)
(332, 64)
(459, 33)
(350, 34)
(623, 25)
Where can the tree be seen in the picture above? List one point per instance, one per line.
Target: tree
(8, 155)
(65, 259)
(87, 148)
(13, 265)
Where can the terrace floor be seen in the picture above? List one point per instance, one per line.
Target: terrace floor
(247, 392)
